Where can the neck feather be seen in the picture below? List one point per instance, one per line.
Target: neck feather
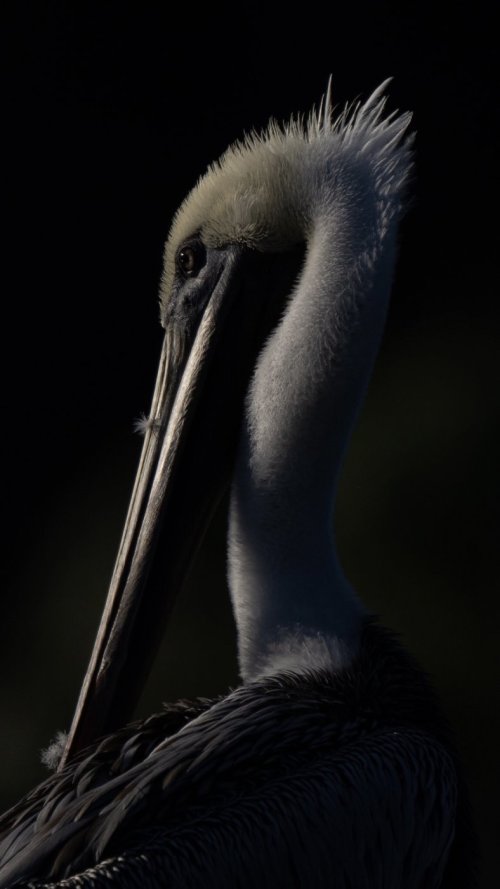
(292, 603)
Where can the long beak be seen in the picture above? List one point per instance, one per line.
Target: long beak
(185, 468)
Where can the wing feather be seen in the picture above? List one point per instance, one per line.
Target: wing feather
(348, 807)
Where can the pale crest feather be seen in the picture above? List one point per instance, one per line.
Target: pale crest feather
(265, 189)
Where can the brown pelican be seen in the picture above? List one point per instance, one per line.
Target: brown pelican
(331, 764)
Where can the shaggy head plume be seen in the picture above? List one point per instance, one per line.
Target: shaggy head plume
(265, 190)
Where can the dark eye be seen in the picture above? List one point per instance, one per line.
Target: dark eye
(190, 259)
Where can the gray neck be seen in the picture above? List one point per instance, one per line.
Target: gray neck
(293, 605)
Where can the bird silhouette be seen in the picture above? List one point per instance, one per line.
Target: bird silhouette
(331, 765)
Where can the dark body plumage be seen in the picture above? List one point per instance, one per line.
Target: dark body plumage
(231, 792)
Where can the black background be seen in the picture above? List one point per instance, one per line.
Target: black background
(109, 115)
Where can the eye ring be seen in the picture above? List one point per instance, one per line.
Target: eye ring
(190, 259)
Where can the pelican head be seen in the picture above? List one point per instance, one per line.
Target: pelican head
(276, 281)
